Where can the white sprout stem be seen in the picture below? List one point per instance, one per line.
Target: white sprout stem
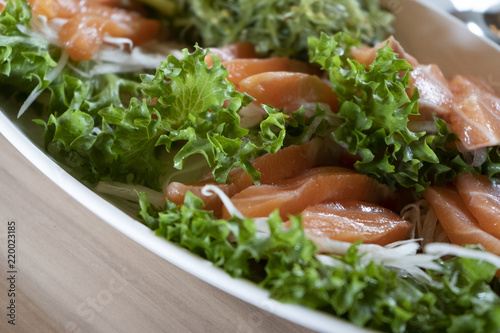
(50, 77)
(330, 261)
(79, 72)
(402, 242)
(442, 249)
(119, 41)
(3, 3)
(209, 190)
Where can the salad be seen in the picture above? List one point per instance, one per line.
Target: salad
(237, 146)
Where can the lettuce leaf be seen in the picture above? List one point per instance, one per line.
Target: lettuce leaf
(24, 61)
(374, 114)
(185, 108)
(279, 28)
(115, 127)
(458, 300)
(198, 107)
(491, 167)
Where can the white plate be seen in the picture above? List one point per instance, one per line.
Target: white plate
(431, 36)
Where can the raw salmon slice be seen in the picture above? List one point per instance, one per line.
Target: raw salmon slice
(366, 55)
(288, 91)
(67, 8)
(313, 186)
(240, 69)
(84, 33)
(55, 8)
(475, 116)
(286, 163)
(459, 224)
(482, 199)
(232, 51)
(436, 98)
(351, 221)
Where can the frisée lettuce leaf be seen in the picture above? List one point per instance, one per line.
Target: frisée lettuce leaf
(278, 28)
(374, 115)
(118, 127)
(458, 299)
(186, 109)
(198, 107)
(24, 61)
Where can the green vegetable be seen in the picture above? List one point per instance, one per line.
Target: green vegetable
(300, 129)
(103, 128)
(458, 300)
(24, 61)
(169, 7)
(280, 28)
(491, 167)
(194, 112)
(191, 107)
(373, 116)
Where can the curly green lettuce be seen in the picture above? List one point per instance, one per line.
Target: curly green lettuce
(276, 28)
(374, 114)
(24, 61)
(459, 298)
(186, 109)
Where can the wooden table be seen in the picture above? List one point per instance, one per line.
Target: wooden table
(75, 273)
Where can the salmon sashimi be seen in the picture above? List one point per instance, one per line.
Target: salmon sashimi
(84, 33)
(461, 227)
(436, 98)
(285, 163)
(482, 199)
(476, 113)
(351, 221)
(90, 22)
(240, 69)
(313, 186)
(289, 91)
(240, 50)
(366, 55)
(67, 8)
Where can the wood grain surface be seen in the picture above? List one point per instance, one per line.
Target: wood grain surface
(75, 273)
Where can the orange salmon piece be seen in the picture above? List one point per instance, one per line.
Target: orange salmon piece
(435, 95)
(313, 186)
(288, 91)
(55, 8)
(482, 199)
(461, 227)
(240, 69)
(366, 55)
(475, 117)
(351, 221)
(84, 33)
(67, 8)
(232, 51)
(285, 163)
